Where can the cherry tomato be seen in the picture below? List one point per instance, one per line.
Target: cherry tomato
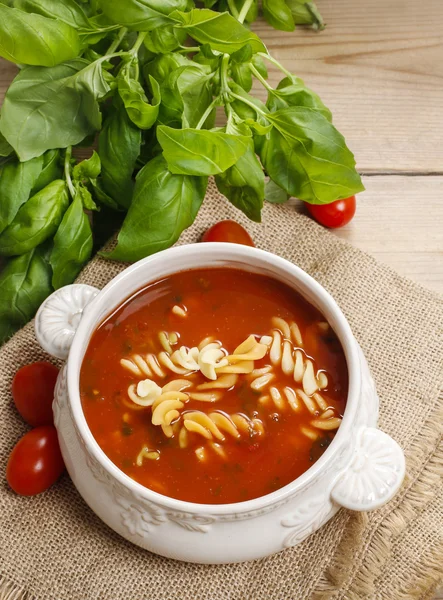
(35, 462)
(228, 231)
(33, 392)
(336, 214)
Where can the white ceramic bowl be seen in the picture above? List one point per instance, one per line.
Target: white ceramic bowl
(360, 470)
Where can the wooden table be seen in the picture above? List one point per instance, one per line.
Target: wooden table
(379, 68)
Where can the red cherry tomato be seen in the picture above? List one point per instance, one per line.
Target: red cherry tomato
(35, 462)
(228, 231)
(33, 391)
(336, 214)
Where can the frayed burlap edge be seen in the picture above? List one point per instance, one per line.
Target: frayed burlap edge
(352, 575)
(10, 591)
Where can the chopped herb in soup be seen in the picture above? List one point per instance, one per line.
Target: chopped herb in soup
(214, 385)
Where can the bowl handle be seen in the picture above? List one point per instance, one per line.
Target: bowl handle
(374, 474)
(58, 317)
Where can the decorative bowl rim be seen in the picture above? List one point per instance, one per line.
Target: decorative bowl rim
(229, 253)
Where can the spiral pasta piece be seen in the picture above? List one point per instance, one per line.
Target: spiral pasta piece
(211, 357)
(224, 382)
(143, 366)
(250, 349)
(217, 424)
(146, 453)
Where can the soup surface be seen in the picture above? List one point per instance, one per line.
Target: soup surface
(214, 385)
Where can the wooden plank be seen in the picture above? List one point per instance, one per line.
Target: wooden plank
(399, 221)
(378, 67)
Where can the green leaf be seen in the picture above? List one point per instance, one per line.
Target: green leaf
(274, 193)
(164, 39)
(72, 245)
(16, 182)
(241, 74)
(5, 148)
(25, 282)
(141, 113)
(67, 11)
(35, 40)
(295, 94)
(278, 15)
(260, 65)
(36, 220)
(164, 205)
(85, 196)
(164, 64)
(241, 56)
(242, 109)
(52, 108)
(186, 94)
(197, 152)
(87, 169)
(306, 13)
(51, 170)
(306, 156)
(141, 15)
(119, 146)
(243, 184)
(221, 31)
(101, 196)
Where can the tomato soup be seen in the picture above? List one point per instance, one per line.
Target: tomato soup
(214, 385)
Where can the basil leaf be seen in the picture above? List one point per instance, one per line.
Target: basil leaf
(244, 184)
(119, 146)
(87, 169)
(164, 205)
(296, 94)
(277, 14)
(274, 193)
(241, 56)
(101, 196)
(141, 113)
(5, 148)
(306, 156)
(36, 220)
(186, 94)
(163, 65)
(306, 13)
(25, 282)
(205, 56)
(197, 152)
(16, 182)
(141, 15)
(164, 39)
(51, 170)
(243, 110)
(241, 74)
(85, 196)
(72, 245)
(35, 40)
(52, 108)
(260, 65)
(221, 31)
(67, 11)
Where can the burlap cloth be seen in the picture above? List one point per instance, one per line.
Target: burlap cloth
(53, 547)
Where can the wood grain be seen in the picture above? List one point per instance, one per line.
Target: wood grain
(399, 221)
(378, 66)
